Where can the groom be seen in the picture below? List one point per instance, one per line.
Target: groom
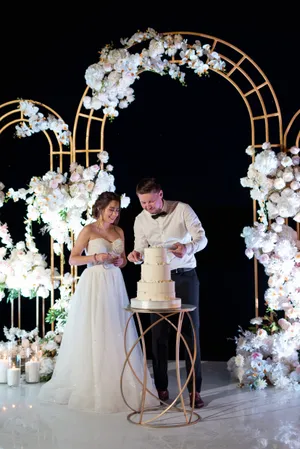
(175, 224)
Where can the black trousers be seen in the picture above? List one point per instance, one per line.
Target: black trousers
(187, 288)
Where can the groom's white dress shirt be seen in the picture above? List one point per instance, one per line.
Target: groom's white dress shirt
(180, 224)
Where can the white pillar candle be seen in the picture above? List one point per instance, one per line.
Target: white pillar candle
(13, 377)
(3, 371)
(32, 371)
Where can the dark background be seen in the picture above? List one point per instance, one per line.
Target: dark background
(192, 138)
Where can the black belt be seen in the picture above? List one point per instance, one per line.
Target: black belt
(181, 270)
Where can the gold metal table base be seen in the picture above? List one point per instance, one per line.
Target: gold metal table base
(154, 417)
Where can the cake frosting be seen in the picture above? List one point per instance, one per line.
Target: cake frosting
(155, 289)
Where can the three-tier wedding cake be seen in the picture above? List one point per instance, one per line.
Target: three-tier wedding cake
(155, 289)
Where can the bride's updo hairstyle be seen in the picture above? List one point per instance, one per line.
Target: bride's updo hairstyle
(103, 201)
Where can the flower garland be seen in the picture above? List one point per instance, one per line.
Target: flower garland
(269, 352)
(38, 122)
(112, 77)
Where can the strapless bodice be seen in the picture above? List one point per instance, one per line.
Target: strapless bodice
(101, 245)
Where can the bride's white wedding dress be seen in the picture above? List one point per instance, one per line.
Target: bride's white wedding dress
(91, 356)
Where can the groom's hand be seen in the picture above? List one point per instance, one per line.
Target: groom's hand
(178, 249)
(135, 256)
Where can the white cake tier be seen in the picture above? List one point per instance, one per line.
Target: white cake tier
(156, 305)
(155, 273)
(155, 291)
(155, 255)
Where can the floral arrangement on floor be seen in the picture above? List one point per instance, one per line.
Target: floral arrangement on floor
(269, 352)
(23, 344)
(112, 77)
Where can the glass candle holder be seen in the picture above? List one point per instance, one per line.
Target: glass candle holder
(3, 370)
(32, 370)
(13, 371)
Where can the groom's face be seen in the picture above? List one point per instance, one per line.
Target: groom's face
(152, 202)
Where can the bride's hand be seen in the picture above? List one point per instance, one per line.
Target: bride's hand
(104, 257)
(118, 261)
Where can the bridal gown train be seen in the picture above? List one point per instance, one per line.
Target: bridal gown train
(91, 356)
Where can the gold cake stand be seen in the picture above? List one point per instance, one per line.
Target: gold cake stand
(178, 414)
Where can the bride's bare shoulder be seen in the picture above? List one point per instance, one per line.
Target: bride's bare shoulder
(119, 231)
(87, 230)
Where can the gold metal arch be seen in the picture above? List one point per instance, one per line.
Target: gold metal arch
(254, 88)
(292, 137)
(292, 132)
(59, 156)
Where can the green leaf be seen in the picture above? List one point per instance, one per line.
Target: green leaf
(63, 214)
(13, 294)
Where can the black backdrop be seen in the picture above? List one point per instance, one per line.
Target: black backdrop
(192, 138)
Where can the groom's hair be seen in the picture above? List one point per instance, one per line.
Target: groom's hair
(148, 185)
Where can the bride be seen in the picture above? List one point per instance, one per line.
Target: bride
(91, 356)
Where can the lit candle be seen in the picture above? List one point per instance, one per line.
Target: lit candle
(3, 371)
(13, 376)
(32, 371)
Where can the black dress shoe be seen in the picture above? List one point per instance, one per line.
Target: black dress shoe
(163, 395)
(198, 401)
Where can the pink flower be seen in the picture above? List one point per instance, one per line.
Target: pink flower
(53, 183)
(75, 177)
(284, 324)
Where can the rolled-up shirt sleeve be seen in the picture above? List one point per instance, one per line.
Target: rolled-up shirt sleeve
(196, 230)
(140, 240)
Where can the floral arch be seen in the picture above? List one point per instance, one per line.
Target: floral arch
(241, 71)
(109, 89)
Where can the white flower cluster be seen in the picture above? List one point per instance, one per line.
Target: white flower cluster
(20, 344)
(274, 181)
(269, 354)
(49, 348)
(268, 358)
(15, 333)
(38, 122)
(277, 250)
(22, 269)
(62, 200)
(112, 77)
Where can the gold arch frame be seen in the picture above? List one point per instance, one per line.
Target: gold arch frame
(241, 71)
(10, 115)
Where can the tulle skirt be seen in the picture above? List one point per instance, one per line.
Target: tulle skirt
(91, 356)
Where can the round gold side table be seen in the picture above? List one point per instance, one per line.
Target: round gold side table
(187, 415)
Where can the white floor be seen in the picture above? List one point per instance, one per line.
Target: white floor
(232, 418)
